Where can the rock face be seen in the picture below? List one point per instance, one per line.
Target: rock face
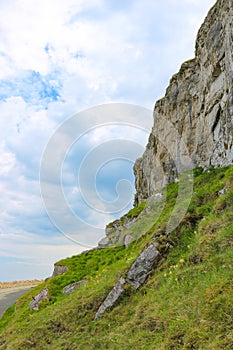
(43, 295)
(146, 262)
(115, 233)
(195, 118)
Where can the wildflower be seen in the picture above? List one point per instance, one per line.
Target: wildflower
(165, 275)
(195, 232)
(176, 279)
(188, 246)
(170, 272)
(181, 260)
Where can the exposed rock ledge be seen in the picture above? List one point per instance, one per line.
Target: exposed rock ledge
(136, 276)
(198, 105)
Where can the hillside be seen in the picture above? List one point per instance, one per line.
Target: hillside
(186, 302)
(162, 277)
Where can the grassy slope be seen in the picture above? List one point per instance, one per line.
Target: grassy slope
(186, 304)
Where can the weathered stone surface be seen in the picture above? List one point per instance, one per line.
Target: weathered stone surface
(43, 295)
(143, 266)
(59, 270)
(155, 198)
(115, 232)
(112, 298)
(198, 106)
(136, 276)
(127, 240)
(104, 242)
(73, 286)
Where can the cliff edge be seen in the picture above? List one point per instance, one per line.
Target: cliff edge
(198, 105)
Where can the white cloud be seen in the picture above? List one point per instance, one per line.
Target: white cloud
(58, 57)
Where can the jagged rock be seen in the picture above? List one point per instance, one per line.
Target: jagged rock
(115, 231)
(143, 265)
(104, 242)
(73, 286)
(43, 295)
(136, 276)
(198, 106)
(59, 270)
(112, 298)
(127, 240)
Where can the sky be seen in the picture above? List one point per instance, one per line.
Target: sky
(78, 82)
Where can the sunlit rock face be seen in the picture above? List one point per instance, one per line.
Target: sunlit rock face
(195, 118)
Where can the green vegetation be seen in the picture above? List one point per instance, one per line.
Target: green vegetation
(186, 303)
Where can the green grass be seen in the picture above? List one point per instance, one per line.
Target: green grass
(186, 303)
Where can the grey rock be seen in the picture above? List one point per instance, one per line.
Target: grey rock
(136, 277)
(112, 298)
(143, 266)
(59, 270)
(104, 242)
(43, 295)
(73, 286)
(127, 240)
(198, 106)
(115, 231)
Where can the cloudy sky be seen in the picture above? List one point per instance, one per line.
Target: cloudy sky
(59, 58)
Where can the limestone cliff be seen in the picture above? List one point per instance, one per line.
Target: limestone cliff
(198, 104)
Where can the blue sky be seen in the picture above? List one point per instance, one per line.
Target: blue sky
(58, 58)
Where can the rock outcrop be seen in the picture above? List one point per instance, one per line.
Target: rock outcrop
(195, 118)
(146, 262)
(59, 270)
(73, 286)
(115, 233)
(39, 298)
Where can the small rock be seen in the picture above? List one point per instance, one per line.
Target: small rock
(43, 295)
(127, 240)
(222, 192)
(73, 286)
